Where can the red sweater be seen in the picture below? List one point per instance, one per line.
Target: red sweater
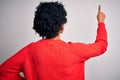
(53, 59)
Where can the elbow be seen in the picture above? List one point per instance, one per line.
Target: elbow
(103, 47)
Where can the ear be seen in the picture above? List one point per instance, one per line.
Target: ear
(62, 28)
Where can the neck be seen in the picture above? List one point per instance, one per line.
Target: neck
(55, 38)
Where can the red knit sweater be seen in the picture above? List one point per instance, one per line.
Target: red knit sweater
(53, 59)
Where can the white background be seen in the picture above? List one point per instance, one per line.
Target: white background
(16, 22)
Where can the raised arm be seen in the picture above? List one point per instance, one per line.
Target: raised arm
(100, 44)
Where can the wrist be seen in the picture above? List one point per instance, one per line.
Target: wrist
(101, 23)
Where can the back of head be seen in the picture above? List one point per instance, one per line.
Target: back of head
(48, 19)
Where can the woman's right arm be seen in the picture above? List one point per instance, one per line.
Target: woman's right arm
(100, 44)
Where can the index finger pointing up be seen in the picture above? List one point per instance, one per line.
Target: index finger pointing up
(99, 8)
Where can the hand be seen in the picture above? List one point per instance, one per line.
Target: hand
(100, 15)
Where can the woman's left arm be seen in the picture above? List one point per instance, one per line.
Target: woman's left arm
(11, 68)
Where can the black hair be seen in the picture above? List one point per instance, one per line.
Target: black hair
(48, 19)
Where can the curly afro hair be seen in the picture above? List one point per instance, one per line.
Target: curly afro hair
(48, 19)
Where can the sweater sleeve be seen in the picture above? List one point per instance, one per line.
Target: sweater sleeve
(11, 68)
(93, 49)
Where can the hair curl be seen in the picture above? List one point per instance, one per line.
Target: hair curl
(48, 19)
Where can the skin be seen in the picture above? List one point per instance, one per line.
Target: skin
(100, 19)
(100, 16)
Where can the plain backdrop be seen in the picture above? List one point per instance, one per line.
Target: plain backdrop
(16, 22)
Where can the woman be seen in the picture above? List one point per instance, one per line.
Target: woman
(51, 58)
